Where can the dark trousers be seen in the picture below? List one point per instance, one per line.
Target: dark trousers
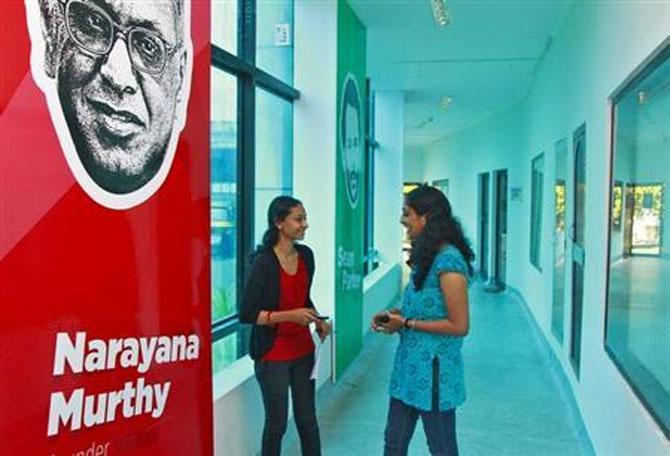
(440, 427)
(275, 378)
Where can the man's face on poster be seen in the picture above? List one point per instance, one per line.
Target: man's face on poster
(352, 151)
(119, 68)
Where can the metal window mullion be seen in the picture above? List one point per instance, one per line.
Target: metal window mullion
(246, 37)
(230, 63)
(225, 327)
(275, 86)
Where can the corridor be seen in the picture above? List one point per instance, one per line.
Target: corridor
(518, 400)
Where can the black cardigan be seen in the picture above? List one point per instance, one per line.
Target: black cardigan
(261, 292)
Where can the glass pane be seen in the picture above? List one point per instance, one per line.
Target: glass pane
(224, 352)
(638, 307)
(559, 240)
(224, 25)
(223, 193)
(274, 154)
(580, 188)
(274, 38)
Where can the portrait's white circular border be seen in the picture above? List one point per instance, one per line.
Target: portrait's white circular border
(350, 77)
(49, 88)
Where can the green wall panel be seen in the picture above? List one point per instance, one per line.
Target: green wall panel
(350, 204)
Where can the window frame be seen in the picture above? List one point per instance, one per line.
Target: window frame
(650, 64)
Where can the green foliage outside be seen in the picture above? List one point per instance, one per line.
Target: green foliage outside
(559, 191)
(224, 351)
(617, 205)
(648, 198)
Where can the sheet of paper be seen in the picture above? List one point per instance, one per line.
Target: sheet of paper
(317, 359)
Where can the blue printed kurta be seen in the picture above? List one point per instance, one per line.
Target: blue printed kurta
(412, 376)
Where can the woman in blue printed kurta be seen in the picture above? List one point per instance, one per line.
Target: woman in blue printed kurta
(427, 378)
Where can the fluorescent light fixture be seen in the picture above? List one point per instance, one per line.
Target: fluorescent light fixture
(642, 97)
(446, 101)
(440, 13)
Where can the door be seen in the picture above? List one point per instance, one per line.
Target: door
(578, 252)
(559, 240)
(483, 226)
(500, 240)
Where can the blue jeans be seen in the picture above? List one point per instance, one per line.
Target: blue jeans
(439, 427)
(275, 378)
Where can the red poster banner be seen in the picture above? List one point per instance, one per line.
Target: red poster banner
(105, 324)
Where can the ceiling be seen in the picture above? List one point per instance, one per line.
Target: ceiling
(485, 59)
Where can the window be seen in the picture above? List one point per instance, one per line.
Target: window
(370, 257)
(274, 47)
(559, 239)
(223, 211)
(251, 151)
(537, 180)
(638, 307)
(224, 25)
(274, 154)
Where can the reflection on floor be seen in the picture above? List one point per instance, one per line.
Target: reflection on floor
(516, 404)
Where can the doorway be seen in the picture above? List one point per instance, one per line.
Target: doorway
(559, 240)
(497, 282)
(642, 225)
(483, 226)
(578, 251)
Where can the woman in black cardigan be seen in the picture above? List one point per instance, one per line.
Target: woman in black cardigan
(277, 303)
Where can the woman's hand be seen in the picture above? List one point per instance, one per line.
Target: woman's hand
(302, 316)
(323, 329)
(396, 322)
(388, 321)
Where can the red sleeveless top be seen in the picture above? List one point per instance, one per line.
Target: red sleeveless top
(292, 341)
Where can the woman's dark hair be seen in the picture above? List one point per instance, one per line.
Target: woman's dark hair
(279, 209)
(441, 228)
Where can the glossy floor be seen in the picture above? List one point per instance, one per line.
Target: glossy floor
(517, 398)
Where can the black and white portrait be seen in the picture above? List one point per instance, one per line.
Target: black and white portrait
(116, 75)
(351, 141)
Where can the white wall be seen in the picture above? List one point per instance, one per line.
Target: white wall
(600, 44)
(494, 144)
(389, 123)
(413, 164)
(382, 286)
(314, 152)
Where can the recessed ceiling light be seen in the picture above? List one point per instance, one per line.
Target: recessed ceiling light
(446, 101)
(440, 12)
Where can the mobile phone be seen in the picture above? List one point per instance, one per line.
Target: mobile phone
(383, 318)
(322, 317)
